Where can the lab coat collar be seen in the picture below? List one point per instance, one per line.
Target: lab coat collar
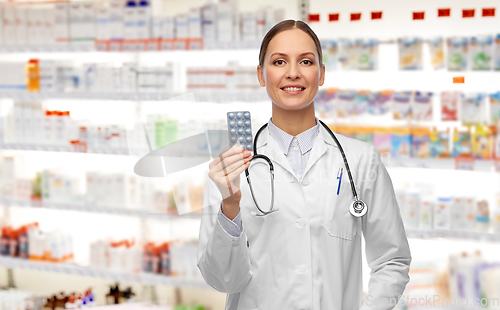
(268, 146)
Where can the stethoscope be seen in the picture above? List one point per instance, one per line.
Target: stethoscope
(358, 207)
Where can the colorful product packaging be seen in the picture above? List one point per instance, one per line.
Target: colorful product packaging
(481, 49)
(420, 144)
(412, 216)
(367, 54)
(469, 223)
(474, 109)
(361, 100)
(462, 143)
(442, 213)
(382, 140)
(346, 103)
(324, 103)
(482, 142)
(497, 52)
(400, 142)
(410, 53)
(457, 213)
(494, 107)
(364, 134)
(330, 54)
(401, 107)
(347, 54)
(458, 52)
(449, 105)
(436, 48)
(421, 107)
(348, 131)
(379, 102)
(439, 143)
(426, 213)
(495, 219)
(482, 215)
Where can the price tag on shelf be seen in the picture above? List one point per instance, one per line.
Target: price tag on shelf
(167, 45)
(152, 45)
(129, 46)
(180, 44)
(464, 163)
(101, 46)
(195, 44)
(115, 46)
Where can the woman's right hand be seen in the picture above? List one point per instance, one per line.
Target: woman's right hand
(225, 171)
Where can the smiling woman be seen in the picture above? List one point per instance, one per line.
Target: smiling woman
(307, 255)
(291, 69)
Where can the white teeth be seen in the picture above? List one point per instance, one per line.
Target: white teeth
(292, 89)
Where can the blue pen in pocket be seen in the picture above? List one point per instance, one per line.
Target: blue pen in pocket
(339, 177)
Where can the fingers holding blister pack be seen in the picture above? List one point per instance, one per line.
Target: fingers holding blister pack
(226, 168)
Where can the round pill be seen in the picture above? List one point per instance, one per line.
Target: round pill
(239, 123)
(249, 147)
(230, 115)
(233, 131)
(240, 139)
(248, 139)
(247, 123)
(233, 139)
(231, 124)
(242, 146)
(246, 115)
(240, 131)
(238, 115)
(248, 131)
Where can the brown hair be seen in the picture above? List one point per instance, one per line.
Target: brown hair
(287, 25)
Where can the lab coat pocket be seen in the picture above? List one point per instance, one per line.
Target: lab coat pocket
(344, 228)
(339, 222)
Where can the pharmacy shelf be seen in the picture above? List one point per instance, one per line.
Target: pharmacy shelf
(200, 96)
(426, 163)
(13, 202)
(91, 46)
(438, 163)
(451, 234)
(62, 148)
(142, 278)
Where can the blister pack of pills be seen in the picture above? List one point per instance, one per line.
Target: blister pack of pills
(239, 129)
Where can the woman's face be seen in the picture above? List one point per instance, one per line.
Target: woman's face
(291, 72)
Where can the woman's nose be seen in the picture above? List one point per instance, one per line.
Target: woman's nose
(293, 72)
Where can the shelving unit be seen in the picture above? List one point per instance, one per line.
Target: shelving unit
(142, 278)
(222, 96)
(12, 202)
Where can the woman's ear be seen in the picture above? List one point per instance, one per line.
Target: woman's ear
(260, 76)
(322, 75)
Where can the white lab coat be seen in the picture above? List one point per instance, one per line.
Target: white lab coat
(307, 255)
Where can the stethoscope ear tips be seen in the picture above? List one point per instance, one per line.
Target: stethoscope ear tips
(253, 213)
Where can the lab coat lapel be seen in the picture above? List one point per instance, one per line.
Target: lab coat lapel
(272, 150)
(319, 148)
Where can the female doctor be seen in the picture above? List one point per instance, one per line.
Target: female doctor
(307, 253)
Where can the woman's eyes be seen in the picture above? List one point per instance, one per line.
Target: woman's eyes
(280, 62)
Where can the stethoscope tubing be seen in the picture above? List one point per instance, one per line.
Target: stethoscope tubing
(271, 169)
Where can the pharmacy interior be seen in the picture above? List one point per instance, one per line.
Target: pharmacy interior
(89, 88)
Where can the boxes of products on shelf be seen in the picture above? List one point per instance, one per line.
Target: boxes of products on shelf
(29, 242)
(421, 208)
(172, 258)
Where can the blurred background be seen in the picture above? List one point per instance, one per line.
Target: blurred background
(88, 88)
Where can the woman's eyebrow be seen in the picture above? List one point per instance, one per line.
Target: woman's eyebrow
(301, 55)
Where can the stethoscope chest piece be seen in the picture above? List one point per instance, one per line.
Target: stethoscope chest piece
(358, 208)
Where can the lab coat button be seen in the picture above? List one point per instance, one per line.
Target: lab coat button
(301, 269)
(302, 222)
(305, 182)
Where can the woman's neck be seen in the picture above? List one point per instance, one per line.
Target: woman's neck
(294, 122)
